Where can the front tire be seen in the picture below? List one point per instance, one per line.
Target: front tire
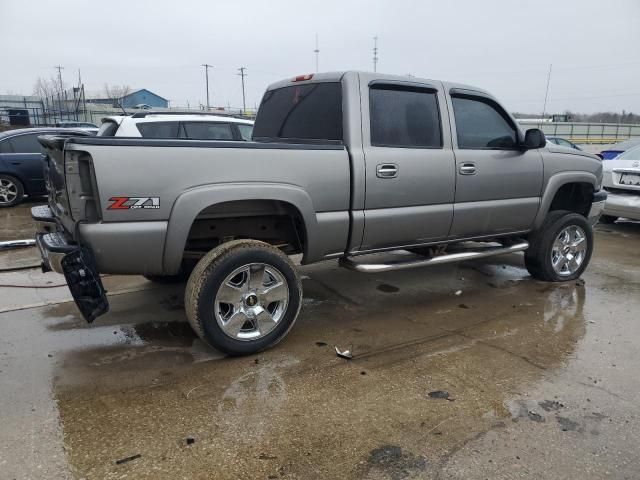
(11, 191)
(243, 297)
(561, 249)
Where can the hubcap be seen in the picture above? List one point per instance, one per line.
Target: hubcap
(569, 250)
(251, 301)
(8, 190)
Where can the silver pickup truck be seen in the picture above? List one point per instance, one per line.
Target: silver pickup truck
(341, 164)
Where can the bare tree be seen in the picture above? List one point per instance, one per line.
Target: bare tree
(116, 92)
(48, 88)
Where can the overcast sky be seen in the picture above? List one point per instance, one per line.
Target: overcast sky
(501, 45)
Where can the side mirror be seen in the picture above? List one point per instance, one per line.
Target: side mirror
(534, 138)
(600, 156)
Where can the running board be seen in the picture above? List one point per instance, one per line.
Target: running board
(438, 260)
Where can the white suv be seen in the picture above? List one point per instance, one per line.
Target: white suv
(194, 126)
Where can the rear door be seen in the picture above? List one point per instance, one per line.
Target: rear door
(409, 168)
(498, 183)
(24, 156)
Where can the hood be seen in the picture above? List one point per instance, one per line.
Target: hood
(553, 148)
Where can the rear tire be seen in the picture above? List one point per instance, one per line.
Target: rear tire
(608, 219)
(243, 297)
(561, 249)
(11, 191)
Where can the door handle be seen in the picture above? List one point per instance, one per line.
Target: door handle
(468, 168)
(387, 170)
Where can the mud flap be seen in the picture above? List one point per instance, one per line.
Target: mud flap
(85, 284)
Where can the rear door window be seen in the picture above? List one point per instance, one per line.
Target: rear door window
(404, 117)
(306, 112)
(482, 125)
(207, 131)
(26, 143)
(158, 129)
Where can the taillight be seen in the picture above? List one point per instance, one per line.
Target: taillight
(302, 78)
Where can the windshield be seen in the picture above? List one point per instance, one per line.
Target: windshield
(632, 154)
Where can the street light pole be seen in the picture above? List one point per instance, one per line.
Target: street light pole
(206, 74)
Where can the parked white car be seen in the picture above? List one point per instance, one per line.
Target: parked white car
(621, 178)
(193, 126)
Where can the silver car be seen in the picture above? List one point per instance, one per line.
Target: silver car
(621, 178)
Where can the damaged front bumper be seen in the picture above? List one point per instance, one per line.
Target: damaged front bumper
(74, 261)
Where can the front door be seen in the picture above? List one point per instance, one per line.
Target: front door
(498, 183)
(409, 164)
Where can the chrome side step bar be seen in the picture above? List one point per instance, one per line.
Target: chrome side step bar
(10, 244)
(423, 262)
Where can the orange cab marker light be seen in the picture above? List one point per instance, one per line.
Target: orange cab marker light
(302, 78)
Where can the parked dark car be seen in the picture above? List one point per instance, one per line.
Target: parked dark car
(615, 150)
(21, 162)
(563, 142)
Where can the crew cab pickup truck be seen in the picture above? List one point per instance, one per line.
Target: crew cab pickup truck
(341, 164)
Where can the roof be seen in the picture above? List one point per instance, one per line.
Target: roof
(194, 117)
(144, 90)
(337, 76)
(18, 131)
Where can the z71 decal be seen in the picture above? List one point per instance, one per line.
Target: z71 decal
(133, 203)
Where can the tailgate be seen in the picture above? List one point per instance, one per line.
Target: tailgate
(55, 180)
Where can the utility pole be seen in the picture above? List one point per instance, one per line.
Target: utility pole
(242, 75)
(375, 53)
(546, 93)
(60, 76)
(206, 74)
(317, 52)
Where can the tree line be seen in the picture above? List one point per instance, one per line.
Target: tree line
(598, 117)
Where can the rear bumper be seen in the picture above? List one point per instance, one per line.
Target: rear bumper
(75, 262)
(597, 207)
(625, 205)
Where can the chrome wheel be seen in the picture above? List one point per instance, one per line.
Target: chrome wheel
(251, 301)
(569, 250)
(8, 191)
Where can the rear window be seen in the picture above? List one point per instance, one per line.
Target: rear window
(305, 112)
(246, 131)
(207, 131)
(107, 129)
(159, 129)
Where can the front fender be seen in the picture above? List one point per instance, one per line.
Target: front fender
(190, 203)
(554, 184)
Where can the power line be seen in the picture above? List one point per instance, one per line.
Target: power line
(375, 53)
(60, 76)
(242, 75)
(206, 74)
(546, 93)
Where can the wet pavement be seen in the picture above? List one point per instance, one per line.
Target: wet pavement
(512, 378)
